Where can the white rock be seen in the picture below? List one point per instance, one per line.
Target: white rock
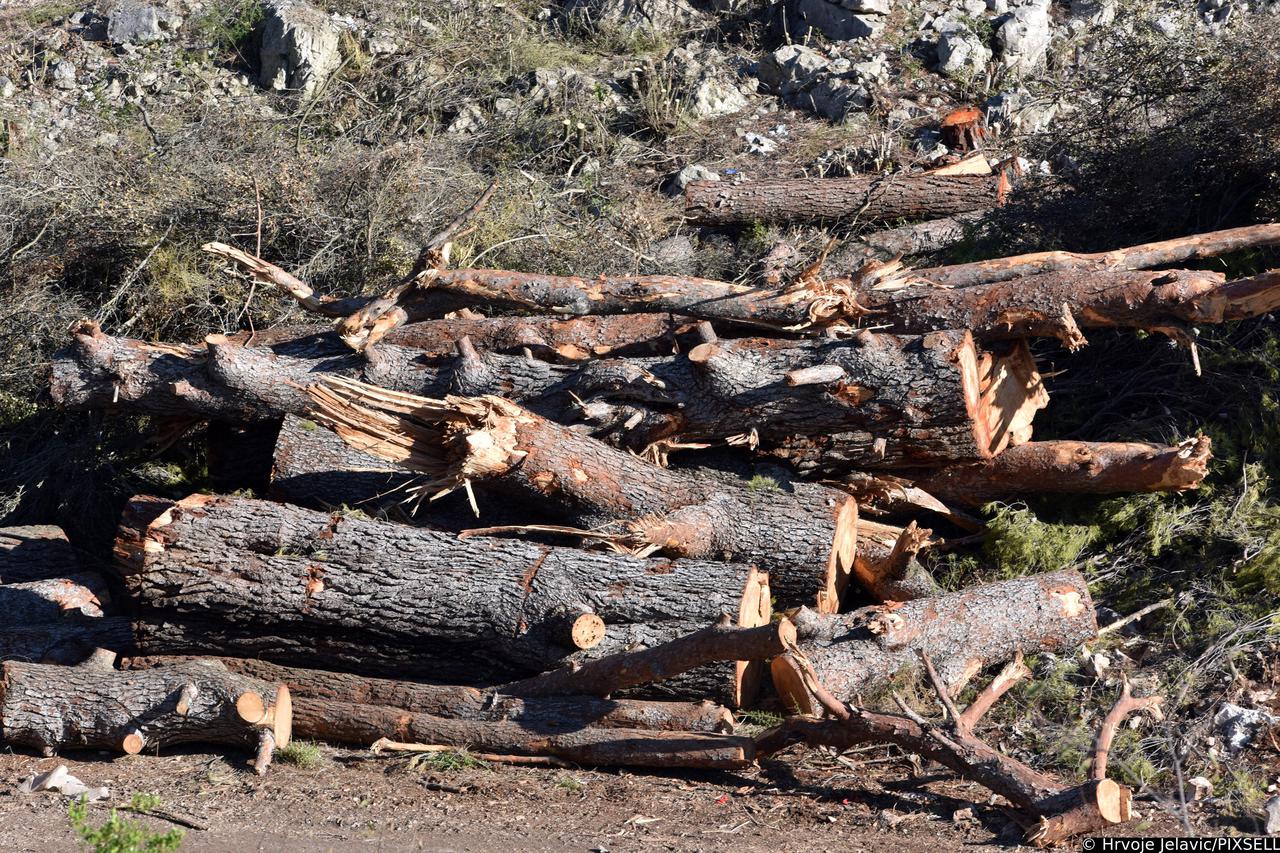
(837, 22)
(299, 48)
(64, 75)
(469, 119)
(1024, 37)
(1094, 12)
(960, 51)
(1238, 726)
(790, 65)
(693, 172)
(713, 96)
(138, 23)
(1272, 811)
(1204, 788)
(657, 15)
(6, 87)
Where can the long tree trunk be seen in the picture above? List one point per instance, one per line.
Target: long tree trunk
(467, 703)
(1144, 256)
(35, 552)
(610, 494)
(568, 740)
(855, 653)
(1059, 304)
(863, 198)
(1073, 467)
(93, 706)
(485, 607)
(888, 400)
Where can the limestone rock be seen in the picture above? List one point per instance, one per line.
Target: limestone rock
(139, 23)
(1023, 38)
(790, 65)
(1272, 811)
(840, 21)
(299, 48)
(693, 172)
(960, 51)
(657, 15)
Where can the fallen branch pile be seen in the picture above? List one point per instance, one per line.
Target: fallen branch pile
(591, 534)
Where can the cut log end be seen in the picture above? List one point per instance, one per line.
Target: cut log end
(790, 686)
(132, 743)
(1009, 392)
(587, 631)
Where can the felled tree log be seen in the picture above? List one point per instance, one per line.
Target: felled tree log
(349, 722)
(918, 238)
(864, 198)
(1059, 304)
(886, 566)
(91, 705)
(312, 467)
(884, 400)
(35, 553)
(962, 632)
(1144, 256)
(803, 537)
(29, 603)
(1073, 467)
(476, 608)
(312, 689)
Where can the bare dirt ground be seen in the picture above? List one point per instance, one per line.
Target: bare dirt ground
(358, 802)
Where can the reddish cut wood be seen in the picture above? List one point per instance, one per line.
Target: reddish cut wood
(862, 198)
(1073, 467)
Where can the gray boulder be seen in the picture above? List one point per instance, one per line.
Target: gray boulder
(299, 48)
(707, 85)
(1095, 13)
(790, 66)
(138, 23)
(842, 20)
(681, 179)
(1023, 38)
(960, 52)
(658, 15)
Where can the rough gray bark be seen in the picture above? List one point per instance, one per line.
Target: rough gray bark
(35, 553)
(1059, 304)
(52, 599)
(864, 198)
(803, 536)
(61, 707)
(963, 632)
(486, 607)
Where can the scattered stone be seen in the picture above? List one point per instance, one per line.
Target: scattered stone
(1203, 787)
(790, 66)
(1094, 12)
(1272, 811)
(1239, 726)
(1165, 25)
(469, 120)
(1024, 37)
(706, 85)
(64, 75)
(299, 48)
(6, 87)
(693, 172)
(139, 23)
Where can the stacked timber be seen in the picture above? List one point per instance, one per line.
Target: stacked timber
(560, 519)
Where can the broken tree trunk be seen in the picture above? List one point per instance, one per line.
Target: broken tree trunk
(885, 563)
(1144, 256)
(804, 537)
(963, 632)
(919, 238)
(861, 198)
(1059, 304)
(885, 400)
(1073, 467)
(35, 553)
(472, 609)
(568, 740)
(92, 705)
(311, 687)
(32, 602)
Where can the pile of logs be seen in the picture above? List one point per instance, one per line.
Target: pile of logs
(591, 529)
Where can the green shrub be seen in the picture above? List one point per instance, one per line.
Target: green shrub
(119, 835)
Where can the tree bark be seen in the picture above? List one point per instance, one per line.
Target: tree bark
(347, 722)
(1059, 304)
(859, 197)
(963, 632)
(466, 703)
(473, 608)
(804, 537)
(1144, 256)
(1073, 467)
(919, 238)
(58, 707)
(32, 602)
(36, 552)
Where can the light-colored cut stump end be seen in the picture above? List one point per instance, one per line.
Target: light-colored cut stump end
(1112, 800)
(790, 686)
(282, 716)
(251, 708)
(840, 561)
